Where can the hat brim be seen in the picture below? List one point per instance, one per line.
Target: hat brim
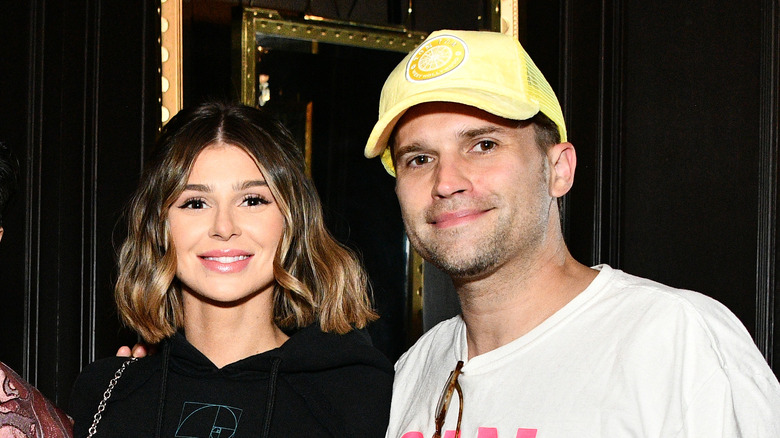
(500, 104)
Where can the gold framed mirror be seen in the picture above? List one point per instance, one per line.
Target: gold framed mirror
(261, 28)
(504, 18)
(269, 48)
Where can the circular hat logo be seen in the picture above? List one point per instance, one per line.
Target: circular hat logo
(436, 57)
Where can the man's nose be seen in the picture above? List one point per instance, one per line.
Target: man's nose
(451, 177)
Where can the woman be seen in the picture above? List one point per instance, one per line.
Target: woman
(228, 265)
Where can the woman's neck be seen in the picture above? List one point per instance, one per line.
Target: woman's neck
(227, 334)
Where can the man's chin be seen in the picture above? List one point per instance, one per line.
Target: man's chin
(467, 272)
(463, 267)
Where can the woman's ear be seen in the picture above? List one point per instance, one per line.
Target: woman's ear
(563, 162)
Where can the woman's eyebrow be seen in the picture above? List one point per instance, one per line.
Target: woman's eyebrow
(253, 183)
(198, 188)
(205, 188)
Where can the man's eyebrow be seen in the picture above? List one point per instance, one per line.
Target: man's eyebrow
(416, 147)
(477, 132)
(408, 148)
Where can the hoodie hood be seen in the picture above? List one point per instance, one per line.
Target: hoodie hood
(327, 371)
(309, 350)
(316, 385)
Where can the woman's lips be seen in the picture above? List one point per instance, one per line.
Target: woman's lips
(225, 262)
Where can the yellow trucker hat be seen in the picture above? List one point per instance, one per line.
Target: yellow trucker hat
(487, 70)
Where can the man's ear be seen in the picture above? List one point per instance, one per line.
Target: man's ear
(1, 233)
(563, 162)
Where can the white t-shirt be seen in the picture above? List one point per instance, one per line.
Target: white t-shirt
(627, 357)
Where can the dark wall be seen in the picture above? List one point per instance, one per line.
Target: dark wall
(673, 108)
(79, 105)
(699, 144)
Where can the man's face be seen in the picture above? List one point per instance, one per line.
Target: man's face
(473, 188)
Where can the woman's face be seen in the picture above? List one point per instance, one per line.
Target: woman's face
(225, 227)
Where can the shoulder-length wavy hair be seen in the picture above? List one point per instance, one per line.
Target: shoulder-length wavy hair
(317, 279)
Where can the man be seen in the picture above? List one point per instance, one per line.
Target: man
(545, 346)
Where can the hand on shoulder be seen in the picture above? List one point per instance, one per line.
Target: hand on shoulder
(138, 350)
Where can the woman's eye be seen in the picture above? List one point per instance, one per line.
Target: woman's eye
(193, 204)
(484, 146)
(254, 201)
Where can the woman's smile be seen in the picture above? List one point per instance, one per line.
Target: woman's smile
(226, 261)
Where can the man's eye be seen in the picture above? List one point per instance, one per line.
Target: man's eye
(194, 204)
(484, 146)
(419, 160)
(255, 200)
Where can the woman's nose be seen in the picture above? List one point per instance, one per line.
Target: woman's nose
(224, 226)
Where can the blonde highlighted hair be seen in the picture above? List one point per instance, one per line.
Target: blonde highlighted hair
(317, 278)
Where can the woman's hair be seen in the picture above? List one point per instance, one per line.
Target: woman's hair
(317, 279)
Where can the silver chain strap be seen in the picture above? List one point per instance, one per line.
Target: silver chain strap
(106, 395)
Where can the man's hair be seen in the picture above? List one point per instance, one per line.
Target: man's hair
(317, 279)
(547, 133)
(9, 171)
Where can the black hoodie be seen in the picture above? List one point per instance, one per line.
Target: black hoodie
(315, 385)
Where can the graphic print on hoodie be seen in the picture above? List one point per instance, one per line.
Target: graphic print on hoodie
(202, 419)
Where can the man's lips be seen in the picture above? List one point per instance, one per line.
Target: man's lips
(454, 218)
(225, 261)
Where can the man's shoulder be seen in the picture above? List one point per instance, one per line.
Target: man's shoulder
(442, 338)
(644, 291)
(668, 311)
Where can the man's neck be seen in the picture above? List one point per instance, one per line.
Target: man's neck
(517, 297)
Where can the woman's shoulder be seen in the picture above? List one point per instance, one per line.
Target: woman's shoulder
(100, 372)
(311, 349)
(333, 377)
(105, 367)
(92, 383)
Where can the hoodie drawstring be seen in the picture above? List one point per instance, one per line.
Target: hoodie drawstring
(163, 388)
(269, 409)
